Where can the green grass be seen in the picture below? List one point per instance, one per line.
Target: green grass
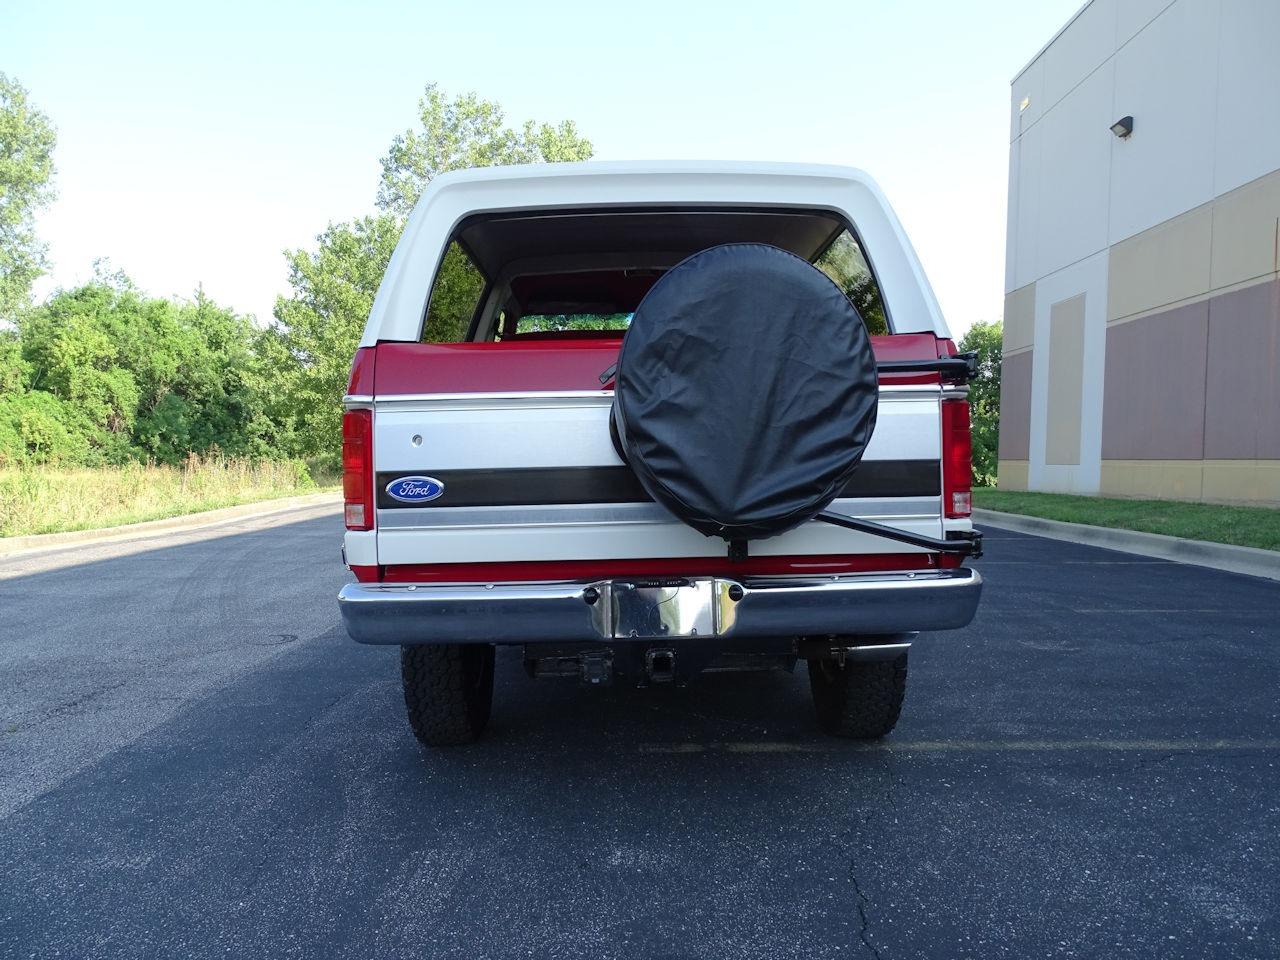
(1242, 526)
(53, 499)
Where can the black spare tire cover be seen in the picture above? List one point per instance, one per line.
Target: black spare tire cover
(746, 391)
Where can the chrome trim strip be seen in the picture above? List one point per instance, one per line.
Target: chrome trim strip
(356, 401)
(563, 514)
(877, 603)
(911, 391)
(499, 397)
(873, 652)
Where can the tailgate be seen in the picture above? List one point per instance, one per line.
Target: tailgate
(517, 437)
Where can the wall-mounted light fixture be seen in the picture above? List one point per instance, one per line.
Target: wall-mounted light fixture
(1123, 127)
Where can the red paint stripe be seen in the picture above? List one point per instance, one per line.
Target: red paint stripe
(536, 365)
(537, 570)
(366, 573)
(508, 366)
(360, 383)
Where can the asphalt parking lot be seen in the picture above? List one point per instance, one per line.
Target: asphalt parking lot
(196, 762)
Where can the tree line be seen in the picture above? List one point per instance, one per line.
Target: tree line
(105, 374)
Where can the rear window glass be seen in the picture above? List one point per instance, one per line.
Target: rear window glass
(846, 264)
(584, 272)
(455, 296)
(843, 261)
(564, 322)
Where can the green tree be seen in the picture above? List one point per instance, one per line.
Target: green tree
(558, 322)
(13, 369)
(109, 374)
(26, 169)
(987, 340)
(37, 427)
(465, 132)
(318, 326)
(216, 399)
(103, 373)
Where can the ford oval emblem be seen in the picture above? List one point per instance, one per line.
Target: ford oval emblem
(414, 489)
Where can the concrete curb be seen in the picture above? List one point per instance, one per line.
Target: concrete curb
(1219, 556)
(10, 546)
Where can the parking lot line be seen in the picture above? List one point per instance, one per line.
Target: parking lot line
(975, 746)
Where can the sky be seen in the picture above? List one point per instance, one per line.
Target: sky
(197, 142)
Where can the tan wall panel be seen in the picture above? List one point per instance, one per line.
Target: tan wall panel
(1012, 475)
(1015, 406)
(1066, 376)
(1159, 479)
(1020, 318)
(1226, 481)
(1246, 232)
(1245, 481)
(1168, 263)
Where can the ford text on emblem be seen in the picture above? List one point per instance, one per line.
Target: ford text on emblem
(415, 489)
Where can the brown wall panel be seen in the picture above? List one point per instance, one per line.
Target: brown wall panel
(1015, 407)
(1242, 404)
(1153, 404)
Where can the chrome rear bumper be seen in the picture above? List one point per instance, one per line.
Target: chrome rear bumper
(879, 603)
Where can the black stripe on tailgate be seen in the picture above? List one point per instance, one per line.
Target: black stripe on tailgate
(552, 485)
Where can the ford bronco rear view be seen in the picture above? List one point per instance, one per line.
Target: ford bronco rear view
(646, 420)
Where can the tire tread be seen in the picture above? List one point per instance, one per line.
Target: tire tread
(447, 703)
(861, 701)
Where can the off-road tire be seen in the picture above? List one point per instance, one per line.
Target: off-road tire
(859, 700)
(448, 691)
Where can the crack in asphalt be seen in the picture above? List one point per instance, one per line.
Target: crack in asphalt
(864, 922)
(862, 823)
(72, 705)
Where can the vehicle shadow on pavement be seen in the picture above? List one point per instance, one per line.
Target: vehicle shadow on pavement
(709, 709)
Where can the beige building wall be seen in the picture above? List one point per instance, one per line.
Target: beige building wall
(1192, 396)
(1066, 376)
(1015, 388)
(1172, 237)
(1191, 403)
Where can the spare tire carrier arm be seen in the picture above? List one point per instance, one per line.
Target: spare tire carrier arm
(967, 543)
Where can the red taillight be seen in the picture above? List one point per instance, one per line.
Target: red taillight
(957, 459)
(357, 468)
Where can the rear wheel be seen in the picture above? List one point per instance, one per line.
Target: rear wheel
(856, 699)
(448, 691)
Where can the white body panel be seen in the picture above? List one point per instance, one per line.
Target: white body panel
(572, 431)
(401, 302)
(613, 541)
(437, 433)
(550, 431)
